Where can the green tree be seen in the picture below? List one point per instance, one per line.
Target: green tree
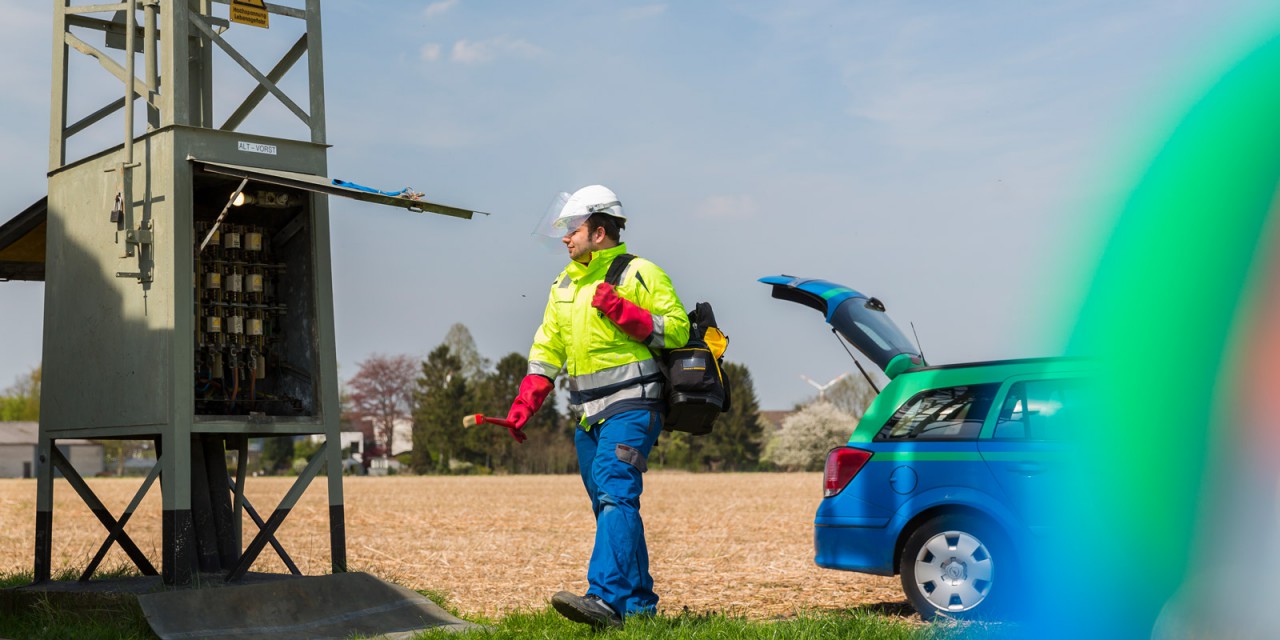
(493, 395)
(439, 406)
(21, 402)
(672, 451)
(118, 452)
(549, 448)
(277, 454)
(735, 441)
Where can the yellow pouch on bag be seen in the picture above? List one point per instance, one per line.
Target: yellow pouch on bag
(716, 340)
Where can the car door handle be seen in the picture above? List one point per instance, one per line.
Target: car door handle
(1026, 468)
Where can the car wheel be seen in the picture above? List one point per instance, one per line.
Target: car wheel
(956, 566)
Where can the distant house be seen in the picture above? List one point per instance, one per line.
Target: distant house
(18, 443)
(773, 420)
(352, 441)
(401, 442)
(401, 435)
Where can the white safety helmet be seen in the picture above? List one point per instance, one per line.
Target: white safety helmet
(591, 199)
(568, 211)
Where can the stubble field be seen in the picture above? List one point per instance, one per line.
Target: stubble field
(732, 543)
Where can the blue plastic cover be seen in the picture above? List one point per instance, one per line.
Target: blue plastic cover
(832, 294)
(859, 318)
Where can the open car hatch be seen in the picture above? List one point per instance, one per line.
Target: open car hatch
(859, 318)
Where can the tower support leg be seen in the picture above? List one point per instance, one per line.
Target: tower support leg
(44, 510)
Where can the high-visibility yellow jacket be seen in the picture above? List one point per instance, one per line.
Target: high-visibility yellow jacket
(609, 372)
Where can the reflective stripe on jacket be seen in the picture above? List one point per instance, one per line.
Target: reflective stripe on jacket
(609, 372)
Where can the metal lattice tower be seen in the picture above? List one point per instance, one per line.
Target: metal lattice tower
(188, 291)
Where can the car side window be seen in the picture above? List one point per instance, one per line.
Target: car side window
(951, 413)
(1039, 410)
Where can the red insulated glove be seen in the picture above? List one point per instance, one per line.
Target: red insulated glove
(533, 392)
(629, 316)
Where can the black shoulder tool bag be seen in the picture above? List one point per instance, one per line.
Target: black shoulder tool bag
(697, 391)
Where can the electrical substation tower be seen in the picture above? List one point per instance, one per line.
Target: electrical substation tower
(188, 291)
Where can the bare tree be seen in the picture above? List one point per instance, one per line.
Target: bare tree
(851, 395)
(382, 392)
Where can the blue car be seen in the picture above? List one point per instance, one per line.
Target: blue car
(940, 480)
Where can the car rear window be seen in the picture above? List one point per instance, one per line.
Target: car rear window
(950, 413)
(864, 324)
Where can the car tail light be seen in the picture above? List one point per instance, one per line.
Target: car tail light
(843, 463)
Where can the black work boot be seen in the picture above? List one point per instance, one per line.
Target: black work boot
(587, 610)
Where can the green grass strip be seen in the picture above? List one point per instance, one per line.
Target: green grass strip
(853, 625)
(47, 620)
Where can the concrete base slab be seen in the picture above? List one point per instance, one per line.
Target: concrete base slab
(262, 605)
(332, 606)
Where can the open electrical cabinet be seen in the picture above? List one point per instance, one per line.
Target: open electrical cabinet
(255, 284)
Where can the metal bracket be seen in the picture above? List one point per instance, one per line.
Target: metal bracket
(142, 237)
(219, 24)
(138, 236)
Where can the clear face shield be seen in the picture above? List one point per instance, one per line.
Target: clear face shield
(552, 227)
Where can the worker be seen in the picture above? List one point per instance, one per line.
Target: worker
(602, 336)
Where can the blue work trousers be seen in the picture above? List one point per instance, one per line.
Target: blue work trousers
(612, 456)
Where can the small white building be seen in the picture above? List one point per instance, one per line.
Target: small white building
(18, 444)
(401, 442)
(401, 435)
(351, 440)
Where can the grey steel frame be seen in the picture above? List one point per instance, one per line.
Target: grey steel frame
(177, 41)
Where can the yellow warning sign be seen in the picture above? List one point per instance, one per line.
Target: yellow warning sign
(250, 12)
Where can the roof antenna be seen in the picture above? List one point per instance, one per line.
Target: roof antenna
(855, 360)
(917, 336)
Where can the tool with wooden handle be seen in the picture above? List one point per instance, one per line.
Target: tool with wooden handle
(476, 418)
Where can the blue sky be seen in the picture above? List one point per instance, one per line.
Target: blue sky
(948, 158)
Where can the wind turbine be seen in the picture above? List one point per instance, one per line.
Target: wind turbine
(822, 388)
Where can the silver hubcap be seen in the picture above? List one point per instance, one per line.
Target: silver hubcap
(954, 571)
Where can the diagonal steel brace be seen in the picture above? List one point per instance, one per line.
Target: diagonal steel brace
(277, 517)
(95, 505)
(257, 519)
(117, 530)
(259, 92)
(248, 67)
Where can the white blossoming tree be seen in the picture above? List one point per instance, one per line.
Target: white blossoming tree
(806, 436)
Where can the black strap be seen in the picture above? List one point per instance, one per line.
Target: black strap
(703, 316)
(614, 275)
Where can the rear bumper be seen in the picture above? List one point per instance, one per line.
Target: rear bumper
(865, 549)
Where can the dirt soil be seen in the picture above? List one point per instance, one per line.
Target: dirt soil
(733, 543)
